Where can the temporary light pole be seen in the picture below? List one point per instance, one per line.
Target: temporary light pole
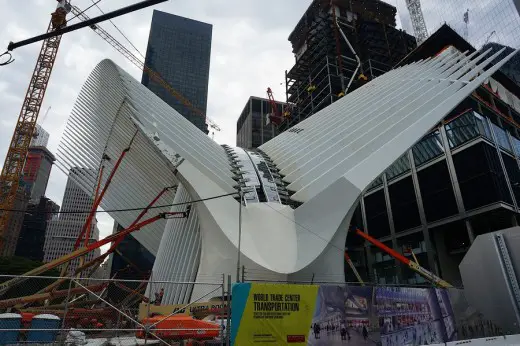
(241, 196)
(58, 32)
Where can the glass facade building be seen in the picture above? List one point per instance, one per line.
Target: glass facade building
(487, 20)
(459, 181)
(32, 235)
(179, 50)
(252, 127)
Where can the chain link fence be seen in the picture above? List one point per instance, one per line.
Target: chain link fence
(79, 311)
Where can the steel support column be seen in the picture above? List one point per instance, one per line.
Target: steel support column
(422, 213)
(368, 250)
(501, 160)
(392, 226)
(455, 182)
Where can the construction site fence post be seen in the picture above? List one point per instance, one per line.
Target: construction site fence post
(63, 333)
(228, 328)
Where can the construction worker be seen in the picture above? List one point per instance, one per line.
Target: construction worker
(159, 296)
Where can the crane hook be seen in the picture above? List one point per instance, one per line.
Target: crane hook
(9, 58)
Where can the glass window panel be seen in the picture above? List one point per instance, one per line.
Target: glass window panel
(437, 191)
(399, 167)
(480, 176)
(502, 137)
(467, 127)
(516, 144)
(376, 183)
(429, 148)
(377, 215)
(405, 210)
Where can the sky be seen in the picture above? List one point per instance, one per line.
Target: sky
(250, 52)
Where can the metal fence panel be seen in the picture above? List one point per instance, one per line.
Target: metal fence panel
(75, 311)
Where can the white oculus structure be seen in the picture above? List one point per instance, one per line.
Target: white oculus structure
(302, 186)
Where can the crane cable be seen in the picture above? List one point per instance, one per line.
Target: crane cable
(85, 10)
(9, 58)
(119, 30)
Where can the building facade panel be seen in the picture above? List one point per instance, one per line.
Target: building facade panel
(62, 232)
(14, 226)
(179, 49)
(32, 236)
(252, 127)
(37, 171)
(41, 137)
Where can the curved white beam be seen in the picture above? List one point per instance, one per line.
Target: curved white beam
(328, 159)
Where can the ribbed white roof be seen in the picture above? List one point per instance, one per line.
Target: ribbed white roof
(363, 133)
(103, 122)
(328, 159)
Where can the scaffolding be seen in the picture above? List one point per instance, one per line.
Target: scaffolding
(324, 60)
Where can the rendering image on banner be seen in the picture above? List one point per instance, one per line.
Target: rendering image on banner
(320, 315)
(270, 314)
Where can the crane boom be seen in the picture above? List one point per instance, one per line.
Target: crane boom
(23, 132)
(418, 22)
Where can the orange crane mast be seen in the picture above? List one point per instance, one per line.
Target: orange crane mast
(23, 133)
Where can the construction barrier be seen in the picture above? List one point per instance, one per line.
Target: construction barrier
(82, 311)
(331, 314)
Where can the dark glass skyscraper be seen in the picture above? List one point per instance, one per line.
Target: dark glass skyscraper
(179, 50)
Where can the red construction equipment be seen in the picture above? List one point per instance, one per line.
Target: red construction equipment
(179, 327)
(275, 116)
(43, 296)
(86, 249)
(411, 264)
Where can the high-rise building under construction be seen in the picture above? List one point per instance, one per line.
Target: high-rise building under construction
(339, 45)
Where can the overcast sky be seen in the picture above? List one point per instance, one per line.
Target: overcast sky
(250, 52)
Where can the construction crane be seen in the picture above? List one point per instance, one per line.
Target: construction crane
(23, 133)
(418, 23)
(275, 116)
(140, 64)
